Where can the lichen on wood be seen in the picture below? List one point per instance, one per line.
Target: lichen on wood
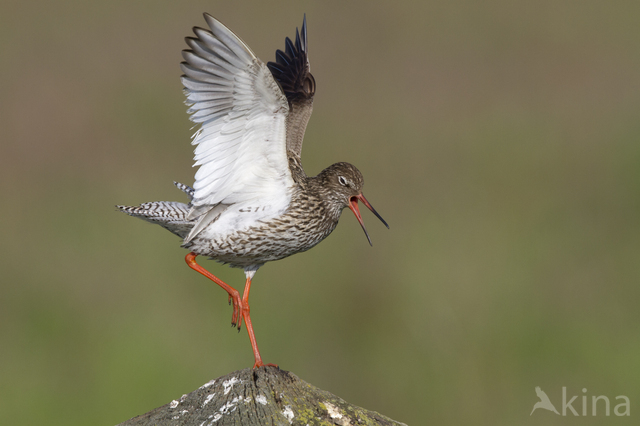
(264, 396)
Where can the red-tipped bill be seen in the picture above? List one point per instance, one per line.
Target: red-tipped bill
(353, 205)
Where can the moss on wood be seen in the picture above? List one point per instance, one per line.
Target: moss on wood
(265, 396)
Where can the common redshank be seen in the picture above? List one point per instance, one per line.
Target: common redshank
(251, 202)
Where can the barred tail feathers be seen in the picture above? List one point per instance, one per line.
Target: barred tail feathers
(171, 215)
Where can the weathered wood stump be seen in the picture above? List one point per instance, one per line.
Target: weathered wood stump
(264, 396)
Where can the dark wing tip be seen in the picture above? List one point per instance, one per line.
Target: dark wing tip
(304, 32)
(291, 68)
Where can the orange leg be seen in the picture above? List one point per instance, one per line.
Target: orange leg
(247, 319)
(240, 307)
(234, 296)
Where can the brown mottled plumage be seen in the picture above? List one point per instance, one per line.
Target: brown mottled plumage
(252, 202)
(316, 205)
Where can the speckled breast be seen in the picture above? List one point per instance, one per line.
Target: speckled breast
(301, 227)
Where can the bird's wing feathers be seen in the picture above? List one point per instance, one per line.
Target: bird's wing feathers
(242, 112)
(292, 71)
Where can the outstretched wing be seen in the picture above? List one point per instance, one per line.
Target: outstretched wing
(241, 143)
(292, 71)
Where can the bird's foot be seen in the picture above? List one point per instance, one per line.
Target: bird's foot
(259, 364)
(236, 317)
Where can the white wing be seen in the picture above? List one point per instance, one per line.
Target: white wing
(241, 144)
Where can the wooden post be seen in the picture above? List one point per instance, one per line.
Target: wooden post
(264, 396)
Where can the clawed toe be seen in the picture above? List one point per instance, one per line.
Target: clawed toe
(236, 317)
(261, 364)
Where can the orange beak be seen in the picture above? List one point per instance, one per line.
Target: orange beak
(353, 205)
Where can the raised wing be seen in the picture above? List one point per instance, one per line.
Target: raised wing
(292, 71)
(241, 143)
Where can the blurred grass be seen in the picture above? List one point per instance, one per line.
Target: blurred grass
(499, 139)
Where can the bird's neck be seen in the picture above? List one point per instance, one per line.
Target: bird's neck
(316, 188)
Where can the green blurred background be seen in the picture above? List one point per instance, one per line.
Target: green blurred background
(500, 140)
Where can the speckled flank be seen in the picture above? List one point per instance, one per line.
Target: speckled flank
(316, 205)
(315, 208)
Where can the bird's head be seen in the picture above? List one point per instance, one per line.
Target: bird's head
(342, 185)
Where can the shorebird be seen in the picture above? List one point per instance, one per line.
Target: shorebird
(251, 202)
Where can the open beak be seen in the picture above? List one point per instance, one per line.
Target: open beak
(353, 205)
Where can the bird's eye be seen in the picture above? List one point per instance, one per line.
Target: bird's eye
(342, 181)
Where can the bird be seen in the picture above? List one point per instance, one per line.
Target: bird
(251, 201)
(544, 402)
